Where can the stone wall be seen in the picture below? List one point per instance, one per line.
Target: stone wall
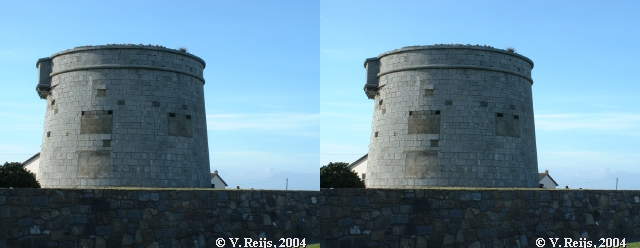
(153, 218)
(474, 218)
(339, 217)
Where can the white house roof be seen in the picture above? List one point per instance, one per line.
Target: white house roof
(215, 174)
(32, 158)
(546, 174)
(357, 162)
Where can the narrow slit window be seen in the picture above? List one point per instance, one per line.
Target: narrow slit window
(380, 102)
(437, 112)
(376, 134)
(499, 114)
(48, 134)
(516, 117)
(188, 117)
(110, 112)
(172, 114)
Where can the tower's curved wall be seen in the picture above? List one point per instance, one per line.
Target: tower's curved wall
(451, 115)
(123, 115)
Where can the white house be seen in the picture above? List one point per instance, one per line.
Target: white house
(546, 181)
(33, 164)
(216, 181)
(360, 167)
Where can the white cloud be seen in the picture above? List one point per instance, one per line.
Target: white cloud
(286, 123)
(616, 123)
(588, 160)
(261, 159)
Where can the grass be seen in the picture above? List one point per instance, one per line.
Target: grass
(312, 246)
(630, 245)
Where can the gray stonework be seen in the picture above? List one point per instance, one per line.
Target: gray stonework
(414, 218)
(100, 218)
(417, 218)
(451, 115)
(123, 115)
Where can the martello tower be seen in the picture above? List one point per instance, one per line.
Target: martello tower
(123, 115)
(451, 115)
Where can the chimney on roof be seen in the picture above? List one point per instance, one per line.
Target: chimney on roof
(545, 172)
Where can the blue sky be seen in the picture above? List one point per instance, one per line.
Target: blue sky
(262, 75)
(585, 91)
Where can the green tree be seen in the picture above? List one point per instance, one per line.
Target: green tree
(338, 175)
(15, 175)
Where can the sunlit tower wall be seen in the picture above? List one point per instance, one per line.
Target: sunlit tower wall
(451, 115)
(121, 116)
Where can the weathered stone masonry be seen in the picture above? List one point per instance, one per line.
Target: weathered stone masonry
(123, 115)
(451, 115)
(474, 218)
(342, 218)
(152, 217)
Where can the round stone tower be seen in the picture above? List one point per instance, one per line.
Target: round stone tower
(451, 115)
(123, 115)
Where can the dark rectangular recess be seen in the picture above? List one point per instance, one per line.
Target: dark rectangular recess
(53, 102)
(424, 122)
(101, 92)
(380, 102)
(96, 121)
(106, 143)
(448, 102)
(48, 134)
(180, 127)
(410, 112)
(509, 127)
(121, 102)
(434, 143)
(428, 92)
(375, 134)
